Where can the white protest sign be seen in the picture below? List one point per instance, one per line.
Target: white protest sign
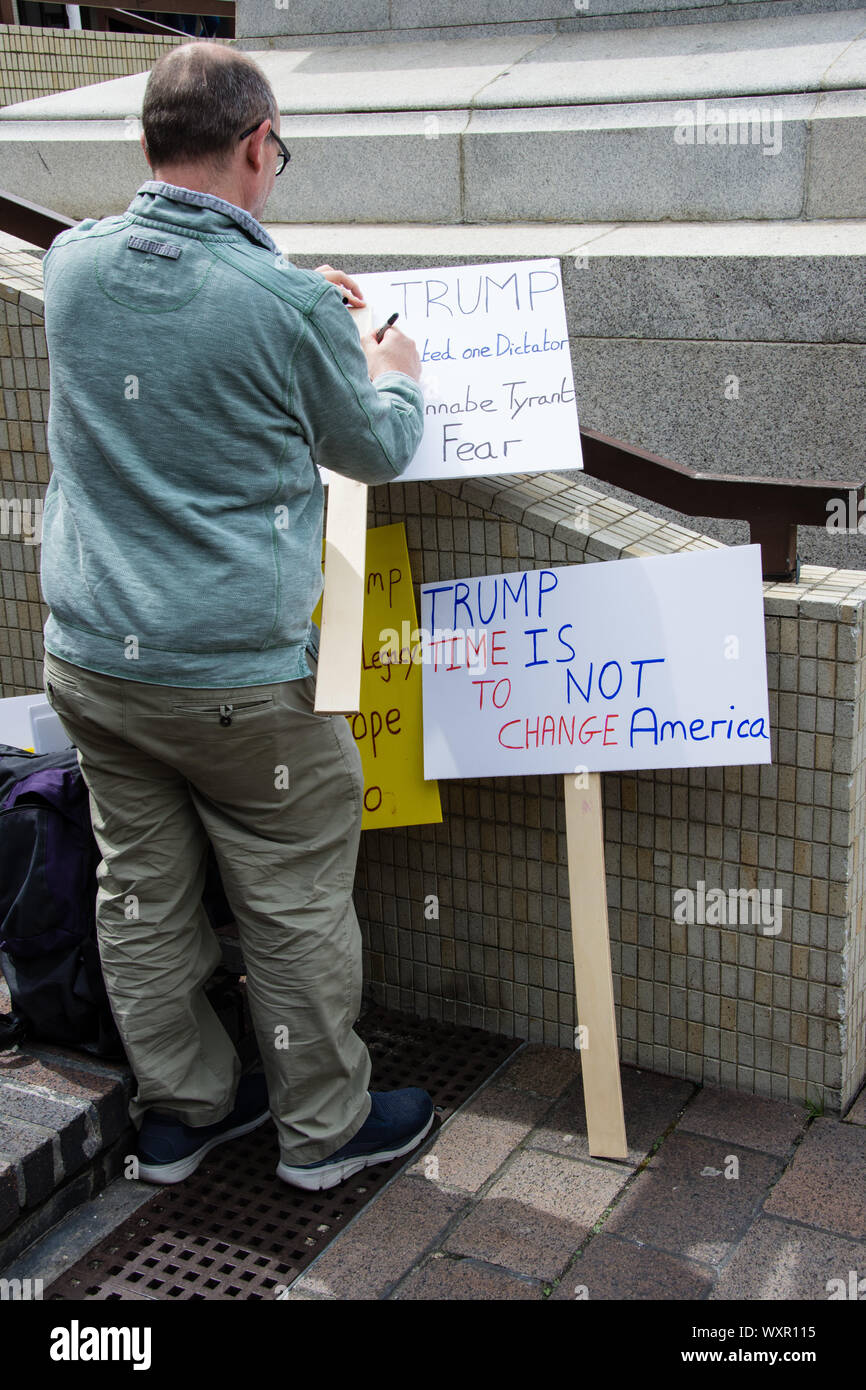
(630, 664)
(496, 367)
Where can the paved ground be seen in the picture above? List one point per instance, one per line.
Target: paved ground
(723, 1196)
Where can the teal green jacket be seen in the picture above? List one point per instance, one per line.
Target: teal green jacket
(198, 380)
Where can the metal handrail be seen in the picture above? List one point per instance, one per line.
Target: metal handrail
(140, 24)
(223, 8)
(773, 507)
(29, 221)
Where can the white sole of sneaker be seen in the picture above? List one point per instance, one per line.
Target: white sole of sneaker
(184, 1167)
(317, 1179)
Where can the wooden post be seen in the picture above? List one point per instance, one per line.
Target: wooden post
(602, 1091)
(338, 674)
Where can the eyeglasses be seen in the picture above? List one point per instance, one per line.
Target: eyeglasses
(284, 154)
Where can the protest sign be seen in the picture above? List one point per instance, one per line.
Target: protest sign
(496, 367)
(632, 664)
(387, 726)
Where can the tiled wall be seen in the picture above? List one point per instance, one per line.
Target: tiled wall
(35, 62)
(24, 467)
(778, 1015)
(854, 967)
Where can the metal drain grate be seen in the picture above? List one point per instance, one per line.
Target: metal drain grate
(235, 1231)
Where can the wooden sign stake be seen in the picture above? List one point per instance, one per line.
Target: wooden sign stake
(599, 1056)
(338, 674)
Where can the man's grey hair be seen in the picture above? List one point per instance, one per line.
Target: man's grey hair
(199, 98)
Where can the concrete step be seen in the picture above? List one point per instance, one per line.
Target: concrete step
(736, 348)
(297, 23)
(764, 119)
(799, 283)
(65, 1131)
(713, 241)
(733, 348)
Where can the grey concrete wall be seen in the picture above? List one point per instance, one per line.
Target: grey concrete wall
(300, 23)
(722, 122)
(800, 156)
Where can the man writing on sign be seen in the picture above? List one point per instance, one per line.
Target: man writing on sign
(197, 380)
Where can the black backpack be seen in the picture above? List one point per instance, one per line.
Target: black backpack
(48, 948)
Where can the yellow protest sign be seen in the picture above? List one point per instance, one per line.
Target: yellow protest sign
(387, 728)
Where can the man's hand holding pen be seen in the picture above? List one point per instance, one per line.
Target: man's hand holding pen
(391, 352)
(387, 349)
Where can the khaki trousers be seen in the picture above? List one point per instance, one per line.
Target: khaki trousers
(278, 790)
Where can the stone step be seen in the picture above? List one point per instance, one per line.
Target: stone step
(434, 244)
(296, 23)
(734, 348)
(805, 53)
(759, 282)
(65, 1131)
(764, 119)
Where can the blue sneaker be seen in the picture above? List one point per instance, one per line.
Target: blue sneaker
(397, 1122)
(169, 1150)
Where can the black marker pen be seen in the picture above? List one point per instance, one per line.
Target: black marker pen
(380, 332)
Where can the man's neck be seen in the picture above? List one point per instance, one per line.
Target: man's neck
(187, 176)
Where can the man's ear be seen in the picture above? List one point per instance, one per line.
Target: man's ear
(256, 147)
(144, 147)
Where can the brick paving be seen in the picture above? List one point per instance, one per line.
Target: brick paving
(723, 1196)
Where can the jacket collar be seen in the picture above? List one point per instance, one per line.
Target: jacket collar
(147, 200)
